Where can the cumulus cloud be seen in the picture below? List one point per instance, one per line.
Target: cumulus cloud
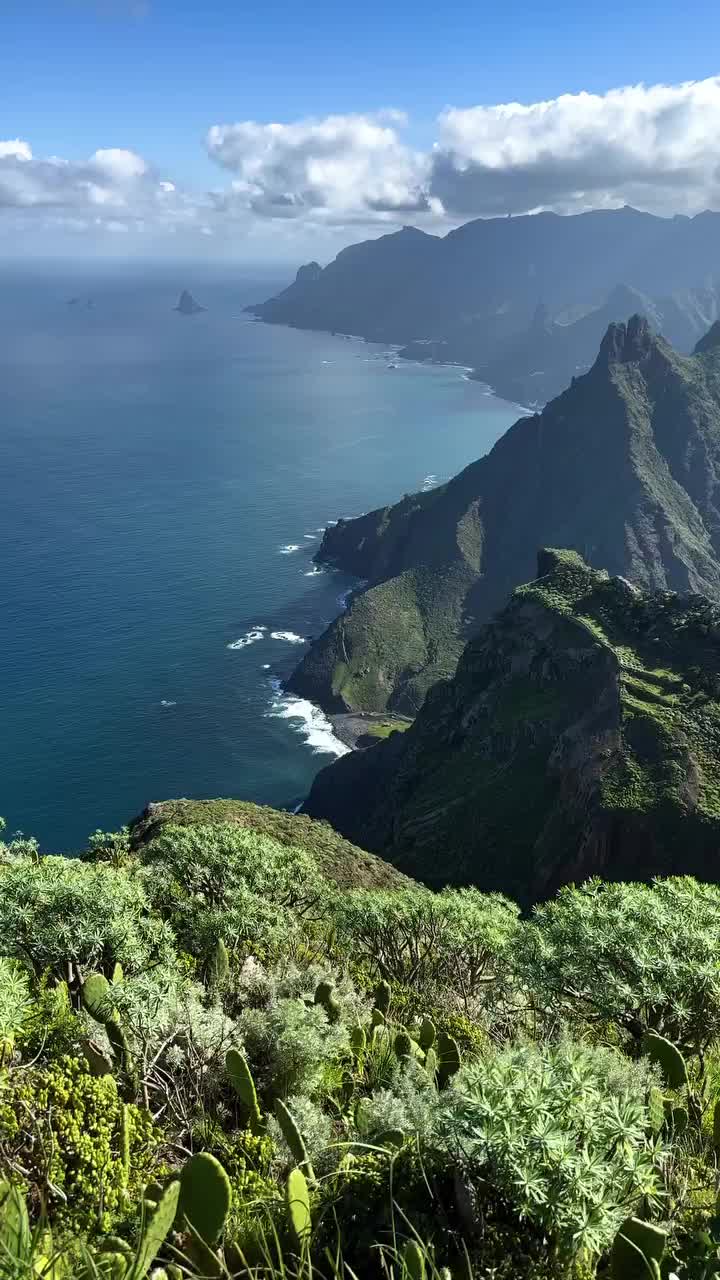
(114, 190)
(656, 146)
(333, 168)
(336, 178)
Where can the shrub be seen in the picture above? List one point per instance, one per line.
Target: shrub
(642, 956)
(561, 1134)
(66, 1123)
(58, 911)
(224, 881)
(458, 937)
(289, 1045)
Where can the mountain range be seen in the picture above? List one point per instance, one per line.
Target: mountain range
(623, 467)
(579, 737)
(509, 297)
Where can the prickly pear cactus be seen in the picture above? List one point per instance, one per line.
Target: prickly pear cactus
(242, 1082)
(326, 997)
(358, 1040)
(636, 1247)
(298, 1207)
(94, 995)
(427, 1034)
(448, 1058)
(668, 1057)
(413, 1261)
(205, 1196)
(382, 997)
(656, 1110)
(403, 1046)
(293, 1136)
(156, 1227)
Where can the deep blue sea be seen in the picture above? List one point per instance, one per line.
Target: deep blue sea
(165, 482)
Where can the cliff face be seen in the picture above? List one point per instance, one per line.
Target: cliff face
(579, 736)
(486, 278)
(624, 467)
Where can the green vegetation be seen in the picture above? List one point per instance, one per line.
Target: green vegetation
(622, 466)
(215, 1062)
(580, 734)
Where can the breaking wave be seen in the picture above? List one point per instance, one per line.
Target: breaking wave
(307, 720)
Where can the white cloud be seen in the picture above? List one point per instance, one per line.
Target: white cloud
(656, 146)
(324, 182)
(332, 168)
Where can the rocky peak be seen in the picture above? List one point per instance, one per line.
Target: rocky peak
(710, 341)
(308, 273)
(627, 343)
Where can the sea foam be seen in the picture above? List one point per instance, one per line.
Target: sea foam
(251, 637)
(288, 636)
(288, 549)
(309, 721)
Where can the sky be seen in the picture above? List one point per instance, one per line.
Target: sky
(280, 131)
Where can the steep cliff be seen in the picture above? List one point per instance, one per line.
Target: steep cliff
(624, 467)
(580, 736)
(484, 279)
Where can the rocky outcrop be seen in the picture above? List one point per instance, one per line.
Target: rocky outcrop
(187, 306)
(624, 467)
(580, 736)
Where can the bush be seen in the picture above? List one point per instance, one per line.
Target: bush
(224, 881)
(66, 1125)
(459, 937)
(59, 911)
(561, 1134)
(289, 1046)
(642, 956)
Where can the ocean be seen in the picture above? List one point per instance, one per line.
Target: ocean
(165, 483)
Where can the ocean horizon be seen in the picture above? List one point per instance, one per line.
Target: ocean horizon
(167, 482)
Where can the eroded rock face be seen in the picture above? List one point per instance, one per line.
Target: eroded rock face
(624, 467)
(579, 736)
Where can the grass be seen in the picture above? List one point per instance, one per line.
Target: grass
(383, 728)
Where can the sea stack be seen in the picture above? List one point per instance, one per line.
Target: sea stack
(187, 306)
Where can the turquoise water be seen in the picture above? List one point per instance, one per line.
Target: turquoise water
(157, 469)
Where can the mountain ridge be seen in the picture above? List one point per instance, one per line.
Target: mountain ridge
(624, 467)
(579, 736)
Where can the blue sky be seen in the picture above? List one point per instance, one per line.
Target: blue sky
(151, 77)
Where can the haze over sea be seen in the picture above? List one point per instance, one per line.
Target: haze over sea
(165, 483)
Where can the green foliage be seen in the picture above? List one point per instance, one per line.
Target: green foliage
(224, 882)
(15, 1005)
(561, 1132)
(289, 1046)
(459, 937)
(642, 956)
(78, 1132)
(325, 996)
(60, 911)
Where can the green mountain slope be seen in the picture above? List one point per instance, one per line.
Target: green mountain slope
(336, 859)
(580, 736)
(623, 467)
